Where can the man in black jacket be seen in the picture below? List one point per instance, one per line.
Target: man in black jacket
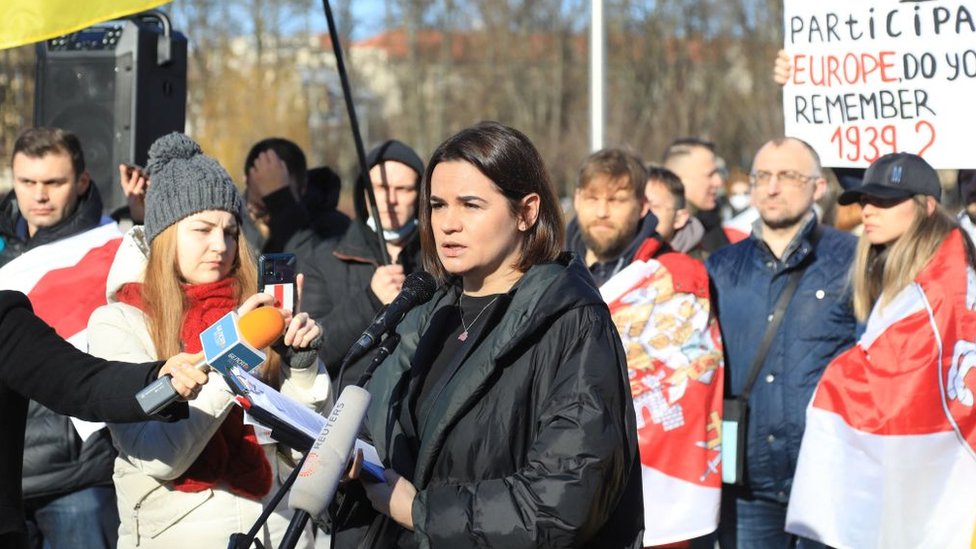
(67, 474)
(37, 364)
(346, 284)
(694, 161)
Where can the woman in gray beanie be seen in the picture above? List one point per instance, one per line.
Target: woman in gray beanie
(196, 482)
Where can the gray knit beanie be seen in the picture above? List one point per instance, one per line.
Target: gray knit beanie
(183, 181)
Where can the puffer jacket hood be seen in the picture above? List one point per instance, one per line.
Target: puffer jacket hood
(129, 264)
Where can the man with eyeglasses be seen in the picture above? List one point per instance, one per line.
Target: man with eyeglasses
(787, 242)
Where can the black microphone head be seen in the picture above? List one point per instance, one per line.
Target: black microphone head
(421, 284)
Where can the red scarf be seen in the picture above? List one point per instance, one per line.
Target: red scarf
(233, 456)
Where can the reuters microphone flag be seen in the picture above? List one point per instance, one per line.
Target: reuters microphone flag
(28, 21)
(887, 459)
(661, 309)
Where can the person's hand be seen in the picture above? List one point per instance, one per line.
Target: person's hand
(386, 282)
(782, 68)
(301, 330)
(134, 184)
(259, 299)
(187, 380)
(355, 466)
(268, 173)
(394, 499)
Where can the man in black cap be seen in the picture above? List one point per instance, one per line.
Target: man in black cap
(346, 283)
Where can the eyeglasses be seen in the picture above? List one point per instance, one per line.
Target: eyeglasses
(788, 178)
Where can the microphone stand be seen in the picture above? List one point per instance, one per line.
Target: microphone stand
(295, 529)
(298, 521)
(244, 541)
(386, 349)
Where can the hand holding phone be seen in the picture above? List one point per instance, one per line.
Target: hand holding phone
(134, 183)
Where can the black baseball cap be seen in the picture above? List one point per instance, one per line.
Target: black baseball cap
(896, 175)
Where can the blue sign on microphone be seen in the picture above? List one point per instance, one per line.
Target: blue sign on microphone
(224, 347)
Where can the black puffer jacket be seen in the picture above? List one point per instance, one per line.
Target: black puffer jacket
(532, 443)
(36, 363)
(338, 273)
(56, 461)
(87, 215)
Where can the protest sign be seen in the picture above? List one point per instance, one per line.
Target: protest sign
(870, 78)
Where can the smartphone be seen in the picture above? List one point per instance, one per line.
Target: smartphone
(276, 276)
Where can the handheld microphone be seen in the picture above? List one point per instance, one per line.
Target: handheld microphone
(228, 342)
(325, 462)
(418, 288)
(329, 457)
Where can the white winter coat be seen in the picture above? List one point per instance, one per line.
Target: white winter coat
(152, 454)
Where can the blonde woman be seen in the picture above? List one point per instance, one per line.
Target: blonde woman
(887, 431)
(195, 482)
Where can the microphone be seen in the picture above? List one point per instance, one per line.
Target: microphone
(326, 461)
(228, 342)
(418, 288)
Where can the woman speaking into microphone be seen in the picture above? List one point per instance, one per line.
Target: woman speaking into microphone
(504, 416)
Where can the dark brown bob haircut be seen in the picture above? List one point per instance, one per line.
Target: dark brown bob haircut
(506, 157)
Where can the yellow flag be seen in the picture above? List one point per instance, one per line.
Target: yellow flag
(27, 21)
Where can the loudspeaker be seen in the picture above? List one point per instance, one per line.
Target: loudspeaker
(118, 86)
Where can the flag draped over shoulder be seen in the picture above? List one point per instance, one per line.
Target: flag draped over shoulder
(740, 227)
(28, 21)
(674, 361)
(888, 457)
(65, 280)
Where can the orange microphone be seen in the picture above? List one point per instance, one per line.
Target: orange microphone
(261, 327)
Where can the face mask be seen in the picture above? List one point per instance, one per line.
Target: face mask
(739, 202)
(395, 236)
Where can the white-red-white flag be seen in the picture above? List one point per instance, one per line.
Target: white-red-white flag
(65, 280)
(284, 295)
(887, 459)
(740, 227)
(674, 362)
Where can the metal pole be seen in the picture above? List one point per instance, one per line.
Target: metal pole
(598, 61)
(357, 138)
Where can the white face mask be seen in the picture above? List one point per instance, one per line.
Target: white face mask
(394, 236)
(740, 201)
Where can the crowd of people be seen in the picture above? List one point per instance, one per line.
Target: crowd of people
(564, 387)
